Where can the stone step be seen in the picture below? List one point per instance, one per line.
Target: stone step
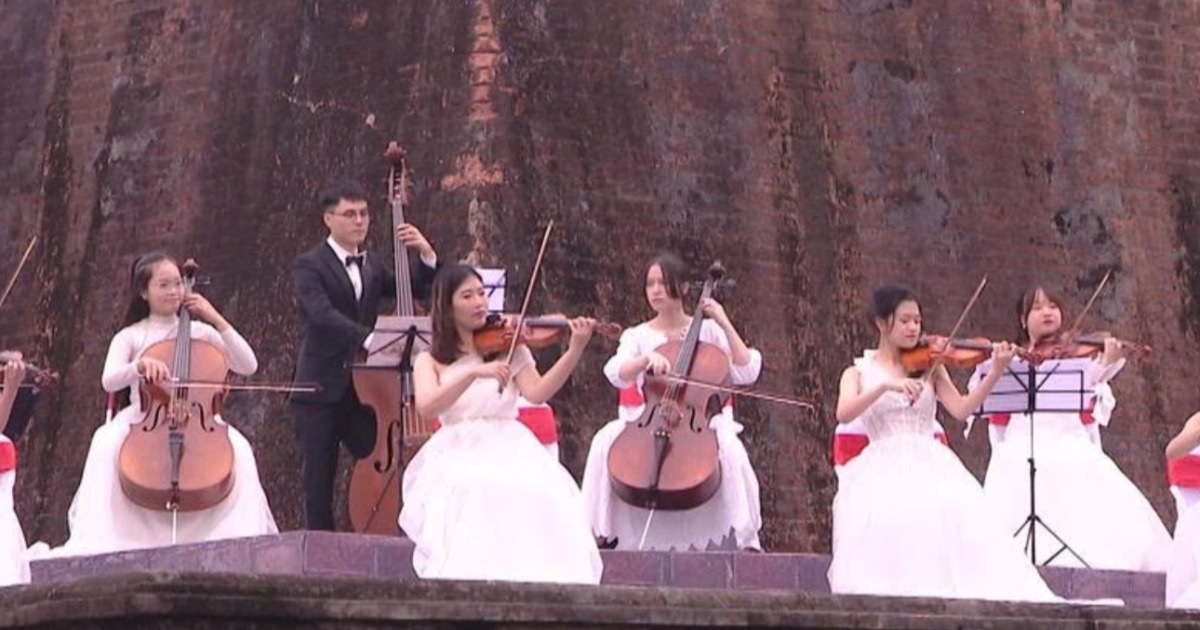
(389, 558)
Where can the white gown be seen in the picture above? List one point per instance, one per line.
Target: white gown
(734, 512)
(14, 563)
(102, 519)
(1183, 568)
(483, 501)
(910, 520)
(1081, 493)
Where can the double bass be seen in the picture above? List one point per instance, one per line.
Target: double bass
(178, 457)
(667, 459)
(387, 388)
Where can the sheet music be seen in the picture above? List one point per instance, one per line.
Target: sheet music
(390, 338)
(494, 282)
(1059, 386)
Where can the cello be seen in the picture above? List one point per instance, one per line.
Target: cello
(667, 459)
(179, 458)
(386, 386)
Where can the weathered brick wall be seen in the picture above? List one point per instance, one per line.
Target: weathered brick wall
(817, 148)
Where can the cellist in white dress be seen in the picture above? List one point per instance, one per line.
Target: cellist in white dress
(734, 512)
(14, 564)
(482, 498)
(908, 518)
(1081, 493)
(101, 518)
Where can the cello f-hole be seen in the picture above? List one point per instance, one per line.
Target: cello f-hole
(386, 463)
(206, 422)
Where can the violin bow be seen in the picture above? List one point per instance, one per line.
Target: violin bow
(306, 388)
(20, 265)
(537, 266)
(962, 317)
(740, 391)
(1087, 307)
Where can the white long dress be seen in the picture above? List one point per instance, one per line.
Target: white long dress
(102, 519)
(733, 513)
(910, 520)
(14, 563)
(1183, 567)
(483, 501)
(1081, 493)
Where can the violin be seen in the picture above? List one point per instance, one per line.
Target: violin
(29, 392)
(1083, 346)
(959, 353)
(35, 377)
(536, 333)
(178, 457)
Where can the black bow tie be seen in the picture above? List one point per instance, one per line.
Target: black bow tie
(355, 260)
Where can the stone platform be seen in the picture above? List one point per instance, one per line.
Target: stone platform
(226, 600)
(324, 554)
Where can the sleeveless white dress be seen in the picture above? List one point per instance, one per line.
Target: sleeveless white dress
(1082, 495)
(910, 520)
(14, 564)
(482, 501)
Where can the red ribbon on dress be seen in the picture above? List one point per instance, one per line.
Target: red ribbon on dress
(847, 446)
(540, 420)
(1184, 471)
(8, 456)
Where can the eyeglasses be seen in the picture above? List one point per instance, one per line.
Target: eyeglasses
(351, 215)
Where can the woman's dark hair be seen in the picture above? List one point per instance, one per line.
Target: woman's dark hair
(1025, 306)
(673, 273)
(139, 281)
(886, 299)
(345, 189)
(446, 346)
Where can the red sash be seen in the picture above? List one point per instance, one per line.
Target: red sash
(847, 446)
(8, 456)
(539, 420)
(1184, 471)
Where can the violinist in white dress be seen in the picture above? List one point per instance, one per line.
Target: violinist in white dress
(908, 518)
(1081, 493)
(482, 498)
(101, 518)
(734, 513)
(14, 565)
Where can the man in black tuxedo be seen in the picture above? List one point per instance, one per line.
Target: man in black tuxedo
(338, 289)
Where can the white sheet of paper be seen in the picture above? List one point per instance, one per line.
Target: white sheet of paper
(1061, 386)
(494, 282)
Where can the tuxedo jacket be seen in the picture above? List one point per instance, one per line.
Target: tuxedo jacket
(333, 324)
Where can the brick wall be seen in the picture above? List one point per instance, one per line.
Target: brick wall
(817, 148)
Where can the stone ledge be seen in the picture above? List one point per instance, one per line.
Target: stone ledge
(208, 600)
(390, 559)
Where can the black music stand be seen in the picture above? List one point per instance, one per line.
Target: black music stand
(1025, 388)
(396, 340)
